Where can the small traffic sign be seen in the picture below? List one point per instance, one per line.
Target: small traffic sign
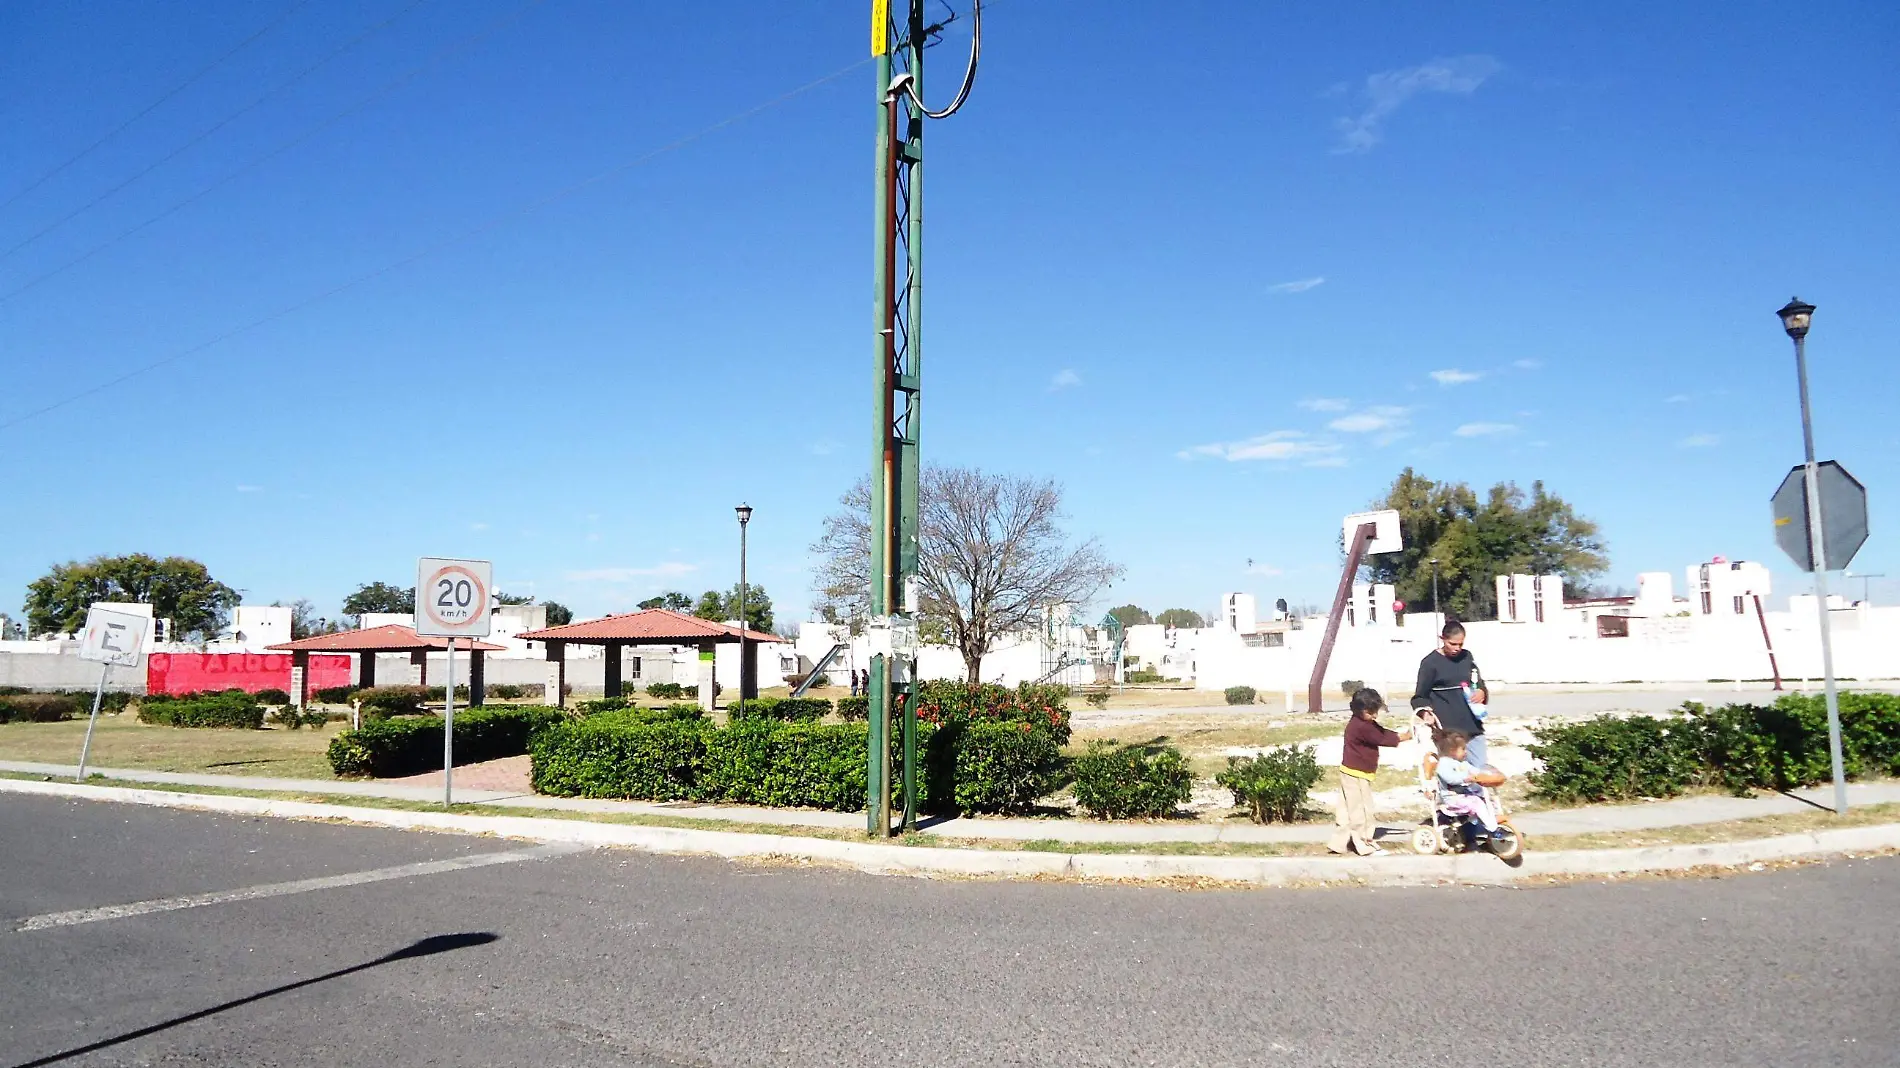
(111, 637)
(1843, 516)
(452, 597)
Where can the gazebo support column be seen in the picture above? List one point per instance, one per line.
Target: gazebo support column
(299, 679)
(749, 671)
(419, 668)
(366, 669)
(610, 669)
(708, 681)
(477, 677)
(556, 693)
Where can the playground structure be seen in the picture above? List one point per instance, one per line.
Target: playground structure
(1080, 654)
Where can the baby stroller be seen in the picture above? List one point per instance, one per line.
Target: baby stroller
(1453, 832)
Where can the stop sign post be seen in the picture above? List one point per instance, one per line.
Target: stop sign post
(453, 599)
(1842, 520)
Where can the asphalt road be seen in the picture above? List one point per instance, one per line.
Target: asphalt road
(619, 958)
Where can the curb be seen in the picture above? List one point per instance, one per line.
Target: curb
(1464, 869)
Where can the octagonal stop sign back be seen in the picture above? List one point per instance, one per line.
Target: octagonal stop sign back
(1843, 515)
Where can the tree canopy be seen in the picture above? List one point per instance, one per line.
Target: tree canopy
(559, 615)
(992, 554)
(720, 607)
(671, 599)
(1131, 615)
(1181, 617)
(513, 598)
(1477, 539)
(177, 588)
(380, 597)
(305, 623)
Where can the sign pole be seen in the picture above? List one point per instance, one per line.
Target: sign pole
(1817, 554)
(448, 734)
(98, 695)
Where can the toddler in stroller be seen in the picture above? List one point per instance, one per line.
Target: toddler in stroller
(1465, 809)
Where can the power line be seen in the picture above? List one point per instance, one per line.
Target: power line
(154, 105)
(219, 125)
(429, 250)
(384, 90)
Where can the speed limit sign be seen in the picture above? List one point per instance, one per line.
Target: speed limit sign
(452, 597)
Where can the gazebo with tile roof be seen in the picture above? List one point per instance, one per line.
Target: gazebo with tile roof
(391, 638)
(654, 626)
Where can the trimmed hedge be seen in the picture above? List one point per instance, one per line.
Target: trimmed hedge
(1240, 695)
(1120, 781)
(333, 695)
(1738, 747)
(40, 707)
(410, 745)
(854, 708)
(785, 708)
(272, 696)
(381, 702)
(1002, 767)
(675, 691)
(292, 719)
(1272, 785)
(232, 709)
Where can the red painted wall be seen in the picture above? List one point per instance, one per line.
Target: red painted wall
(191, 672)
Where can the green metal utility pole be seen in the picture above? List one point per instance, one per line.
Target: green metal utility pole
(898, 42)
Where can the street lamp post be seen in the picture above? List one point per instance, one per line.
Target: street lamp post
(1866, 584)
(1434, 563)
(744, 512)
(1796, 315)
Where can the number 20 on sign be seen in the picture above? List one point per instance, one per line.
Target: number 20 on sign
(452, 597)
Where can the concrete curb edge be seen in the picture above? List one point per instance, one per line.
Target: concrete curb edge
(1398, 870)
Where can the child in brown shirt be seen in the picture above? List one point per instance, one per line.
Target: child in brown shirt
(1358, 763)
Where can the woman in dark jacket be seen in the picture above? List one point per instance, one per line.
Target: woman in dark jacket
(1440, 697)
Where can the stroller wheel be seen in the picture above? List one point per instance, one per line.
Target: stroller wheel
(1507, 843)
(1427, 840)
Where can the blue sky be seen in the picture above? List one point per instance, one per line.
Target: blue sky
(1220, 269)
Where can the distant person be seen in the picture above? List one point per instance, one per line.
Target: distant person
(1358, 763)
(854, 682)
(1451, 694)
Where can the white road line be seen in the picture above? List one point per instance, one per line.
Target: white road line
(299, 886)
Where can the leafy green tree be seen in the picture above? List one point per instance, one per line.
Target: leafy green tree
(305, 623)
(559, 615)
(1477, 539)
(379, 597)
(514, 598)
(1131, 615)
(1181, 617)
(177, 588)
(671, 600)
(723, 606)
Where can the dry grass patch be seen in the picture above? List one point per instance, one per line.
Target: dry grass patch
(123, 742)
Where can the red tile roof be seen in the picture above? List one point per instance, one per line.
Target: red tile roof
(654, 626)
(391, 638)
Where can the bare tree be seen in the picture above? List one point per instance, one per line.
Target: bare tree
(992, 555)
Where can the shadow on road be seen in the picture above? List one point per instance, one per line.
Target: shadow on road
(426, 947)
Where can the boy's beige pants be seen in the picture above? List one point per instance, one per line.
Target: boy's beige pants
(1354, 817)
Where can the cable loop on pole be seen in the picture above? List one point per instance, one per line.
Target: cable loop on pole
(908, 84)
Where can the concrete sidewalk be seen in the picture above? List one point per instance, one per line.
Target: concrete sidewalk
(1647, 816)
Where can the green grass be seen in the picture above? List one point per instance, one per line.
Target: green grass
(123, 742)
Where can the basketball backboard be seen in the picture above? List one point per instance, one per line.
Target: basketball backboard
(1385, 533)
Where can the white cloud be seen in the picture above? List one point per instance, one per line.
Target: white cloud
(1379, 417)
(1279, 445)
(1325, 404)
(1527, 365)
(247, 488)
(1065, 379)
(1298, 286)
(1678, 398)
(670, 569)
(478, 526)
(1451, 376)
(1388, 91)
(1700, 441)
(1479, 430)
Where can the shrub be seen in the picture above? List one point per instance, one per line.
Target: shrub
(1138, 678)
(823, 679)
(272, 696)
(1096, 698)
(854, 708)
(949, 704)
(294, 719)
(667, 691)
(233, 709)
(1351, 686)
(40, 707)
(413, 744)
(807, 765)
(602, 704)
(1118, 781)
(1273, 785)
(505, 691)
(785, 708)
(617, 756)
(1240, 695)
(1002, 767)
(381, 702)
(1608, 758)
(334, 695)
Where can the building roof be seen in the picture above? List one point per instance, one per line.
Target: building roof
(654, 626)
(390, 638)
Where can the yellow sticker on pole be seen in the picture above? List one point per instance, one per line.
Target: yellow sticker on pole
(880, 27)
